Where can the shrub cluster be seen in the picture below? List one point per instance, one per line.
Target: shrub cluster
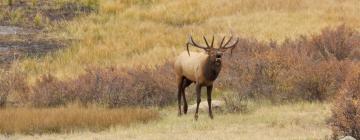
(302, 69)
(111, 87)
(13, 88)
(345, 119)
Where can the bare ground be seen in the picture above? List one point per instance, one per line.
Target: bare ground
(300, 121)
(17, 46)
(23, 27)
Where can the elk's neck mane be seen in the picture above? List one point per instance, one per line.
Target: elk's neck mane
(211, 70)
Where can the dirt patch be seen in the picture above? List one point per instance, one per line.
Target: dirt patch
(23, 24)
(13, 47)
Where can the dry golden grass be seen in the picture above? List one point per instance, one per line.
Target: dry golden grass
(69, 119)
(300, 121)
(127, 33)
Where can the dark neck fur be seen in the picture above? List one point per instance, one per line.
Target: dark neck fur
(211, 70)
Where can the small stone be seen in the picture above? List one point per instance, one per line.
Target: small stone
(216, 105)
(348, 138)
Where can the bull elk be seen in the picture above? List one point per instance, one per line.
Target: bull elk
(199, 68)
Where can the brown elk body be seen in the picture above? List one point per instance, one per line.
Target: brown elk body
(201, 69)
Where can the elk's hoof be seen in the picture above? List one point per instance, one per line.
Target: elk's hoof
(196, 117)
(179, 114)
(211, 116)
(185, 109)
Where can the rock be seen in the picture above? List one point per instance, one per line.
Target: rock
(348, 138)
(203, 107)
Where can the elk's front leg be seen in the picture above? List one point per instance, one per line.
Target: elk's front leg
(209, 90)
(198, 100)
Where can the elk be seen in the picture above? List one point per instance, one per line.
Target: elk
(200, 68)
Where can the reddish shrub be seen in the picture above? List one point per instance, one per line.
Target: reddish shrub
(111, 87)
(49, 91)
(13, 88)
(121, 87)
(321, 81)
(345, 119)
(338, 43)
(309, 69)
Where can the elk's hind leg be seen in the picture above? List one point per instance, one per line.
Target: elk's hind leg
(180, 81)
(186, 83)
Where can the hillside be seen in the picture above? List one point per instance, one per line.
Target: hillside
(130, 33)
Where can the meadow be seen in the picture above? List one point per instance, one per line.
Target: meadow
(294, 121)
(132, 33)
(294, 70)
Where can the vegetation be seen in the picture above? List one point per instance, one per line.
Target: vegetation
(121, 54)
(302, 121)
(131, 33)
(302, 69)
(69, 119)
(346, 109)
(32, 12)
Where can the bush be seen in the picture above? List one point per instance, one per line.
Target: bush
(13, 88)
(321, 81)
(235, 102)
(49, 92)
(111, 87)
(121, 87)
(302, 69)
(338, 43)
(345, 119)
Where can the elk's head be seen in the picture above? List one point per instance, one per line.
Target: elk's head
(215, 54)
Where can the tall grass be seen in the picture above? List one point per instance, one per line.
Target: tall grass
(69, 119)
(27, 13)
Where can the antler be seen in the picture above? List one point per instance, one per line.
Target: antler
(207, 44)
(222, 41)
(193, 43)
(226, 46)
(212, 42)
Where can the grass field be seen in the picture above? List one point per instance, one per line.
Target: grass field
(126, 34)
(131, 33)
(300, 121)
(69, 119)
